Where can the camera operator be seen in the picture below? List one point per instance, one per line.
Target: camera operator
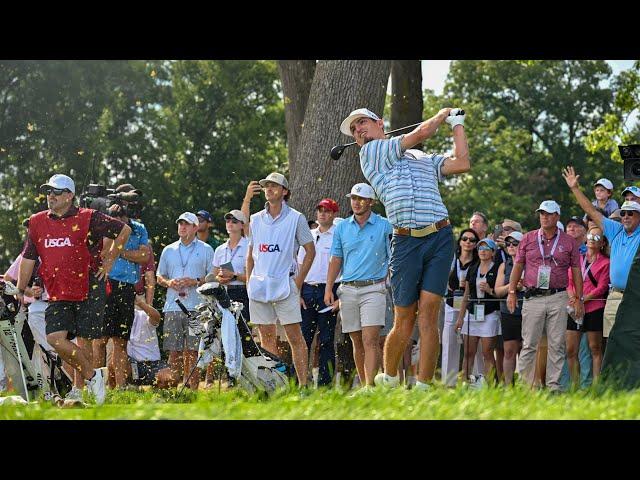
(119, 310)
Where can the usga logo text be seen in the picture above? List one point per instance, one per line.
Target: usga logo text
(264, 247)
(57, 242)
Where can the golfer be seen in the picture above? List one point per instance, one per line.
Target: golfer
(406, 181)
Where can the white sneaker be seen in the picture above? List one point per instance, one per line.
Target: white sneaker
(382, 379)
(74, 394)
(97, 385)
(477, 383)
(422, 387)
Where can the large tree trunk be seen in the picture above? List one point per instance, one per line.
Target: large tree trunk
(406, 93)
(339, 86)
(296, 77)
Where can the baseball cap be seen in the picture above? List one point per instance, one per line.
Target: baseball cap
(275, 177)
(605, 182)
(513, 224)
(60, 181)
(577, 220)
(516, 236)
(549, 206)
(237, 214)
(359, 113)
(490, 243)
(329, 204)
(632, 189)
(188, 217)
(205, 215)
(363, 190)
(635, 206)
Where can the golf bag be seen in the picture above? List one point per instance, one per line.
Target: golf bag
(256, 368)
(33, 370)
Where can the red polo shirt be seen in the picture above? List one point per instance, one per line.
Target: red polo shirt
(566, 255)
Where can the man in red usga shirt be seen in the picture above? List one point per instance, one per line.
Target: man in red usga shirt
(545, 255)
(66, 238)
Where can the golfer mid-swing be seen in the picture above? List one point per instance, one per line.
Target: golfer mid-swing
(406, 181)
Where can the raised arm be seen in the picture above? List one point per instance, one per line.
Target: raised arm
(571, 178)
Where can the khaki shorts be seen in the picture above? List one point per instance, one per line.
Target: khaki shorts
(610, 310)
(285, 311)
(362, 306)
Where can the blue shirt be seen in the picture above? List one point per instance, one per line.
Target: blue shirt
(126, 270)
(365, 251)
(179, 261)
(623, 249)
(609, 207)
(406, 182)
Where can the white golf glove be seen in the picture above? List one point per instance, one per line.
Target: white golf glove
(455, 118)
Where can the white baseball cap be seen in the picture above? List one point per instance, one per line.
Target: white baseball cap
(275, 177)
(635, 206)
(345, 126)
(363, 190)
(61, 181)
(604, 182)
(189, 217)
(237, 214)
(515, 235)
(632, 189)
(549, 206)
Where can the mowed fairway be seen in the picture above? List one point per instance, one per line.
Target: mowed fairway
(437, 404)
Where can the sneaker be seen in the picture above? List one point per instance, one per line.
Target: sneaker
(97, 385)
(422, 387)
(477, 382)
(74, 394)
(382, 379)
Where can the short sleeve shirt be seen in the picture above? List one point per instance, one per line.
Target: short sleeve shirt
(125, 270)
(406, 182)
(623, 249)
(237, 256)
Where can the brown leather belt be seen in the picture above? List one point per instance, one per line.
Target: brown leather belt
(422, 231)
(364, 283)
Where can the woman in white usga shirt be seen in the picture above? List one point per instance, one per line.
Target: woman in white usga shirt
(229, 262)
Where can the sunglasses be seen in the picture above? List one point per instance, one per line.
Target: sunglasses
(624, 213)
(512, 243)
(55, 191)
(594, 238)
(468, 239)
(232, 220)
(484, 248)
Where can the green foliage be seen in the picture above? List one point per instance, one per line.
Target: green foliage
(526, 120)
(440, 403)
(190, 134)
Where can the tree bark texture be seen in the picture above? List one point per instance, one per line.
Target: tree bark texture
(339, 86)
(406, 93)
(296, 77)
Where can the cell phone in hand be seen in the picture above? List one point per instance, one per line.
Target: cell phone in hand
(497, 231)
(227, 266)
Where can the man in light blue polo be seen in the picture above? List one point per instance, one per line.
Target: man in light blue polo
(360, 248)
(182, 268)
(624, 239)
(406, 181)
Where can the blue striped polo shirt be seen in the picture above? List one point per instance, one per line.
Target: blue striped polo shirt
(405, 182)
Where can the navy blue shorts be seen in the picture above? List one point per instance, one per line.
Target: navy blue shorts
(420, 264)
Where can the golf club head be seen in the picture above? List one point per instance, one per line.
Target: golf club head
(336, 152)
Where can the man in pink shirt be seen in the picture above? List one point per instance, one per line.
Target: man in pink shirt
(545, 255)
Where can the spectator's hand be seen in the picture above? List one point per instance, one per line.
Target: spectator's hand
(222, 280)
(298, 281)
(572, 302)
(303, 304)
(500, 239)
(36, 291)
(175, 283)
(253, 189)
(226, 274)
(520, 286)
(570, 177)
(459, 323)
(115, 211)
(329, 299)
(140, 301)
(484, 286)
(454, 119)
(512, 301)
(104, 269)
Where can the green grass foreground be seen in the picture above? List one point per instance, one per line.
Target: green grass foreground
(437, 404)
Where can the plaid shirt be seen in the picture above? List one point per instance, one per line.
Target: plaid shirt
(405, 182)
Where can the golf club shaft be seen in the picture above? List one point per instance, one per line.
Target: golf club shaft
(390, 132)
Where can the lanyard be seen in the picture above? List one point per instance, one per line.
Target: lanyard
(584, 264)
(183, 264)
(459, 269)
(233, 253)
(553, 249)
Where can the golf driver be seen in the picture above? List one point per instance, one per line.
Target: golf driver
(336, 152)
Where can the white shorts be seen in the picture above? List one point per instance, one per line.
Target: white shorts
(35, 319)
(362, 306)
(490, 327)
(286, 311)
